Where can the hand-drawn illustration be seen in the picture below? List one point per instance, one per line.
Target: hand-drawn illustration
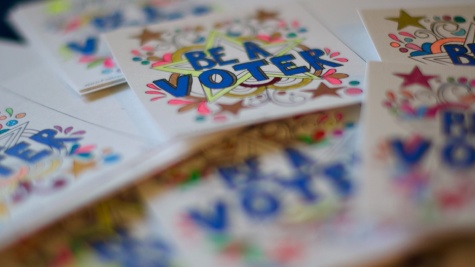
(223, 71)
(423, 147)
(41, 161)
(441, 36)
(113, 232)
(249, 212)
(69, 32)
(44, 152)
(423, 96)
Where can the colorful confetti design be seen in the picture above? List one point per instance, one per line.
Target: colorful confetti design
(281, 91)
(424, 38)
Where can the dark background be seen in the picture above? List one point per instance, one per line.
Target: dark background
(6, 32)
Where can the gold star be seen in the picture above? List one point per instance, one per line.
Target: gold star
(199, 28)
(323, 89)
(405, 20)
(263, 15)
(233, 108)
(79, 167)
(3, 209)
(218, 25)
(147, 36)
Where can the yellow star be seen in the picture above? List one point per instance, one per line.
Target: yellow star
(405, 20)
(323, 89)
(214, 37)
(79, 167)
(147, 36)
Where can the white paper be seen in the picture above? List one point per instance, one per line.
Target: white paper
(342, 19)
(154, 58)
(428, 35)
(419, 166)
(119, 146)
(66, 34)
(275, 194)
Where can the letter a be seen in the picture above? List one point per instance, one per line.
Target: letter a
(252, 51)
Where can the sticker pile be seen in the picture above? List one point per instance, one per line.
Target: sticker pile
(264, 137)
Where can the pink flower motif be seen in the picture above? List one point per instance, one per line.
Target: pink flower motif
(147, 48)
(87, 59)
(156, 92)
(166, 58)
(84, 149)
(335, 54)
(269, 39)
(203, 109)
(108, 63)
(190, 103)
(281, 24)
(328, 76)
(72, 25)
(180, 102)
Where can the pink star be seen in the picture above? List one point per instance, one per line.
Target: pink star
(416, 77)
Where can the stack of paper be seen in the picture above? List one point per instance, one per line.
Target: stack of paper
(245, 118)
(419, 136)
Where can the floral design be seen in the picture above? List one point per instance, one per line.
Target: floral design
(160, 49)
(414, 100)
(424, 38)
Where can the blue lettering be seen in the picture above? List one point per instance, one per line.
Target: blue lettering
(254, 67)
(459, 155)
(47, 137)
(302, 184)
(313, 58)
(195, 57)
(339, 177)
(298, 159)
(413, 155)
(454, 124)
(22, 152)
(5, 171)
(235, 176)
(302, 179)
(227, 79)
(88, 48)
(217, 54)
(217, 220)
(253, 50)
(286, 66)
(182, 88)
(259, 204)
(457, 52)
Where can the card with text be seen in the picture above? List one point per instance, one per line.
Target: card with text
(66, 33)
(219, 71)
(429, 35)
(419, 144)
(275, 194)
(115, 232)
(44, 152)
(59, 151)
